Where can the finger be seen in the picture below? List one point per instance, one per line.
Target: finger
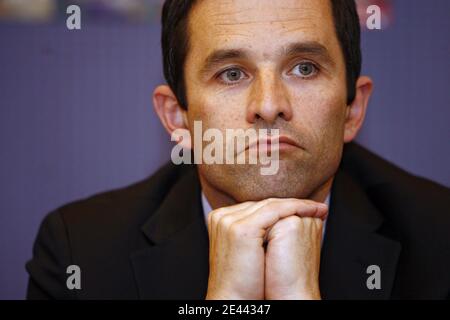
(252, 206)
(273, 211)
(321, 213)
(215, 217)
(243, 210)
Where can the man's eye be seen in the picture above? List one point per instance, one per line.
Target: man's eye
(231, 76)
(305, 69)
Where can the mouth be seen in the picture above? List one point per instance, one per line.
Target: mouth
(281, 143)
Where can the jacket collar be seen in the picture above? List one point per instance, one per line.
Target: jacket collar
(352, 243)
(176, 265)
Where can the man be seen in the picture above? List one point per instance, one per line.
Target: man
(335, 221)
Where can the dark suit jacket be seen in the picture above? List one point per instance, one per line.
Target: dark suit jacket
(149, 240)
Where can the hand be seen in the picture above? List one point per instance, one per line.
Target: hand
(293, 259)
(236, 242)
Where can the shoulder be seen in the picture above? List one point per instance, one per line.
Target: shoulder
(410, 203)
(109, 223)
(97, 233)
(131, 204)
(375, 173)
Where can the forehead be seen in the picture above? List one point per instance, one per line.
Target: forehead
(260, 25)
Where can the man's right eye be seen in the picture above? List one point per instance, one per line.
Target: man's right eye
(231, 76)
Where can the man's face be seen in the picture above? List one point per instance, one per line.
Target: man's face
(267, 64)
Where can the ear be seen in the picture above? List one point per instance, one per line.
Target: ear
(356, 111)
(173, 117)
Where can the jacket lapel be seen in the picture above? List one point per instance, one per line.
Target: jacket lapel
(176, 265)
(352, 244)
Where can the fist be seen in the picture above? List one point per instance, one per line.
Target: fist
(237, 235)
(293, 259)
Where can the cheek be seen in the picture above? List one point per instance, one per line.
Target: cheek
(321, 111)
(217, 110)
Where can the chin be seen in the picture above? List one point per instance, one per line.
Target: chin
(294, 179)
(284, 184)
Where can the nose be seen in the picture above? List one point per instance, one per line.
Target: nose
(268, 100)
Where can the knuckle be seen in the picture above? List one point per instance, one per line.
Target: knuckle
(293, 223)
(308, 221)
(215, 215)
(237, 230)
(289, 225)
(225, 221)
(318, 222)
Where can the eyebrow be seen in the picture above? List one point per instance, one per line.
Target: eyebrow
(219, 57)
(310, 48)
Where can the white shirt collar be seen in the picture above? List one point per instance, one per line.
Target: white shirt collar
(206, 206)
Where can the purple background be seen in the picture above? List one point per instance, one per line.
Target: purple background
(76, 116)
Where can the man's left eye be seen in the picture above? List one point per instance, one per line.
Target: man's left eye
(304, 69)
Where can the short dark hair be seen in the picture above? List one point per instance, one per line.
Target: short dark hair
(175, 43)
